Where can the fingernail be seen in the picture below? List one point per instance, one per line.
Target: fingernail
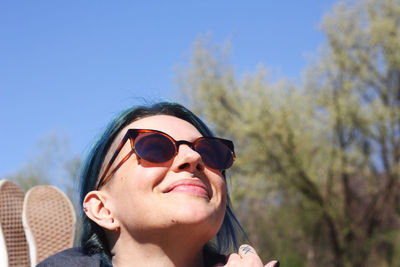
(277, 264)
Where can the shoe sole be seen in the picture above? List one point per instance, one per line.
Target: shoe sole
(13, 235)
(49, 220)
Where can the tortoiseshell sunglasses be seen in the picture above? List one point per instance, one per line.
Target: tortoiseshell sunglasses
(158, 147)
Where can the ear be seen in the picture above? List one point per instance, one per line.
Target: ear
(96, 208)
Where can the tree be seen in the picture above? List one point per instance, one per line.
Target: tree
(51, 164)
(317, 177)
(357, 82)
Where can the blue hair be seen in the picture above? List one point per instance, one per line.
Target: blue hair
(93, 238)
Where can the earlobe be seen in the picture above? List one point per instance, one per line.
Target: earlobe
(95, 207)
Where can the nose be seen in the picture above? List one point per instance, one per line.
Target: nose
(188, 159)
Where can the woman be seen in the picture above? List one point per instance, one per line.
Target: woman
(154, 193)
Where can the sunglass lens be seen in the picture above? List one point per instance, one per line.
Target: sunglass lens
(154, 147)
(215, 154)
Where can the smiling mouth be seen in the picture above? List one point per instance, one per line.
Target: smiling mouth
(188, 186)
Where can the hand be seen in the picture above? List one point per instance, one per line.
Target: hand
(247, 256)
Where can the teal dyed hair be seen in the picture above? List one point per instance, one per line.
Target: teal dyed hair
(92, 237)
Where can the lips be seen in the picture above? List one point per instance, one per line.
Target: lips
(188, 186)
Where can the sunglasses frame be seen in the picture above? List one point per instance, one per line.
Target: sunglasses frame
(131, 134)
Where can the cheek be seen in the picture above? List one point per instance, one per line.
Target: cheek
(220, 192)
(224, 197)
(223, 193)
(140, 177)
(219, 184)
(132, 186)
(221, 210)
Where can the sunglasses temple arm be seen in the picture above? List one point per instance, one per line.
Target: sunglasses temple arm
(116, 168)
(102, 179)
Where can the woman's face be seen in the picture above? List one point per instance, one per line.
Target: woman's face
(145, 196)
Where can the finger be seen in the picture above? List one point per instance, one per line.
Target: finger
(245, 250)
(232, 260)
(272, 264)
(233, 257)
(249, 256)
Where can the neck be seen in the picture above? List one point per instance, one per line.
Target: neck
(181, 250)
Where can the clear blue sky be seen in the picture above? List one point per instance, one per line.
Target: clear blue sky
(67, 67)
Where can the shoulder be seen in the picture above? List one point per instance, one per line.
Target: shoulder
(72, 257)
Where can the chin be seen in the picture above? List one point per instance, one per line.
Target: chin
(193, 209)
(198, 214)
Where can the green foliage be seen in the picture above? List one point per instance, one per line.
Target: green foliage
(51, 163)
(28, 177)
(317, 177)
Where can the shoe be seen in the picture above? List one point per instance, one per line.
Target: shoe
(49, 220)
(13, 245)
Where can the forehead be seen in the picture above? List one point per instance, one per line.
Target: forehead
(177, 128)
